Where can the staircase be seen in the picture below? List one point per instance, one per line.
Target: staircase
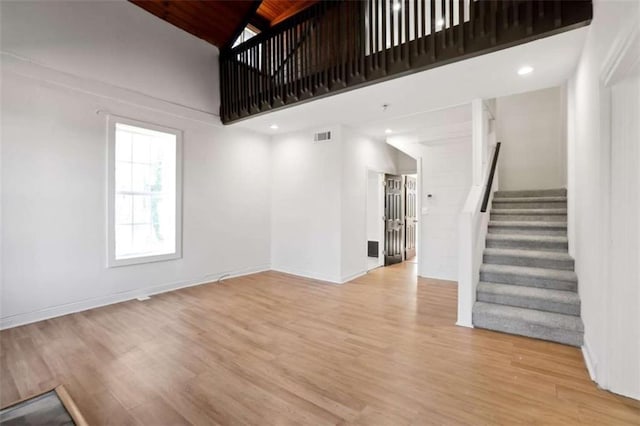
(527, 282)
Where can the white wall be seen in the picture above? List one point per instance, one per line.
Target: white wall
(114, 42)
(445, 156)
(532, 155)
(374, 206)
(407, 165)
(54, 157)
(305, 205)
(446, 174)
(318, 206)
(603, 190)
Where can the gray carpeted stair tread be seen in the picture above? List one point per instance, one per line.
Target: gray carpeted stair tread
(556, 279)
(561, 328)
(522, 203)
(528, 238)
(567, 329)
(532, 254)
(530, 212)
(554, 274)
(527, 241)
(529, 217)
(530, 199)
(527, 224)
(532, 227)
(529, 258)
(543, 299)
(559, 192)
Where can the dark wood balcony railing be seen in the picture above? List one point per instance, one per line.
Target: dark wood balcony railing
(338, 45)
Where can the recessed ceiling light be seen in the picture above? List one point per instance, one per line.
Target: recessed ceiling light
(274, 127)
(440, 23)
(396, 7)
(388, 131)
(525, 70)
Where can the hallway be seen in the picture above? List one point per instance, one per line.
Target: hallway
(272, 348)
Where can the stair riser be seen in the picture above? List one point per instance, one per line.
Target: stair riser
(529, 245)
(525, 280)
(522, 328)
(538, 193)
(530, 217)
(530, 262)
(497, 204)
(557, 232)
(530, 303)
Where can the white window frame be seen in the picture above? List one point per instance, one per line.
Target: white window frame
(112, 120)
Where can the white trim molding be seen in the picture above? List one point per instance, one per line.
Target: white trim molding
(589, 360)
(308, 274)
(96, 302)
(112, 261)
(24, 67)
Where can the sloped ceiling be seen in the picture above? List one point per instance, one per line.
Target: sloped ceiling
(220, 21)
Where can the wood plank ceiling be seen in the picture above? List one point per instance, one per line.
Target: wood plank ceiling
(220, 21)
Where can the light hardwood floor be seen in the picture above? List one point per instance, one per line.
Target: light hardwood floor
(277, 349)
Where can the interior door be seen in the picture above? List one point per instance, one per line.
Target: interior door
(393, 223)
(410, 216)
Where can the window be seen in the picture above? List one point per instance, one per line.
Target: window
(144, 192)
(252, 57)
(245, 35)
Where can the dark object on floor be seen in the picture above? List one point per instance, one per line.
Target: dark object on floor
(52, 408)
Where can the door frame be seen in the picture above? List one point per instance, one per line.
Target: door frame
(418, 207)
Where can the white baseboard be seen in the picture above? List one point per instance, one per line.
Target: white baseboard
(592, 367)
(318, 276)
(83, 305)
(439, 277)
(353, 276)
(589, 361)
(308, 274)
(464, 324)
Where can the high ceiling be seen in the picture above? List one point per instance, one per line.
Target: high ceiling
(219, 22)
(276, 11)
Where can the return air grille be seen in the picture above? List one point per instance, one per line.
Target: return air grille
(322, 137)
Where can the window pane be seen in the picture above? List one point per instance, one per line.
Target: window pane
(124, 241)
(123, 177)
(155, 177)
(140, 177)
(123, 146)
(124, 206)
(141, 209)
(141, 148)
(142, 239)
(163, 218)
(145, 198)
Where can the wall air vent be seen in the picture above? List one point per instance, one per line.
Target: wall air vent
(322, 137)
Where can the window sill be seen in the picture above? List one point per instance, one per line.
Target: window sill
(114, 263)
